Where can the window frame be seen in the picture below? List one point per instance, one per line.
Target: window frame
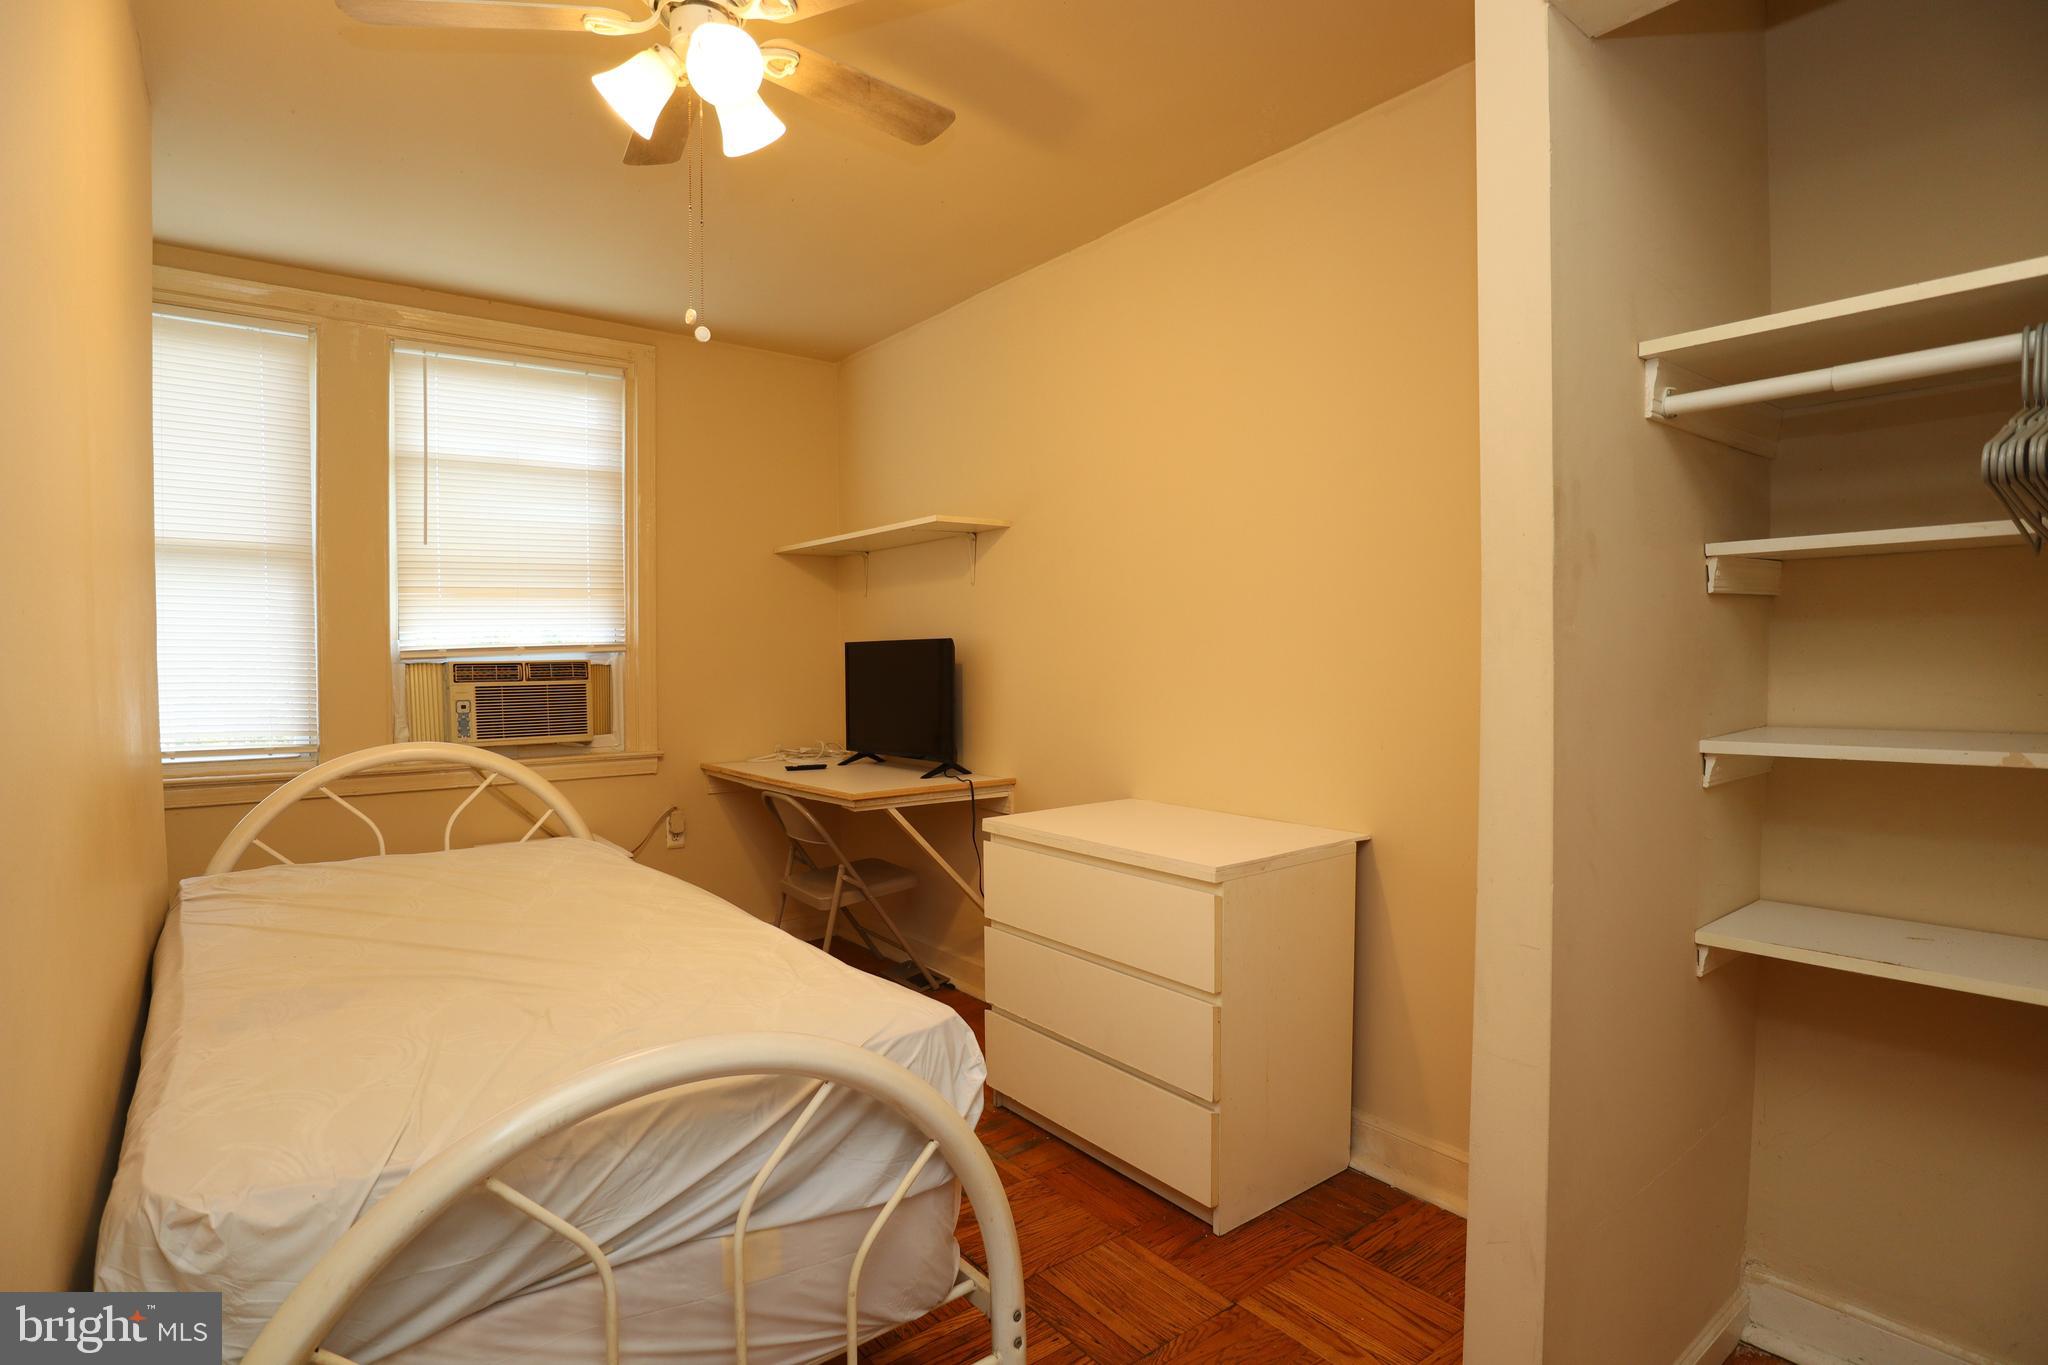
(360, 332)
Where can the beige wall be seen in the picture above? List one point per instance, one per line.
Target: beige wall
(1238, 441)
(1906, 141)
(1614, 1236)
(744, 461)
(81, 828)
(1651, 1070)
(1508, 1228)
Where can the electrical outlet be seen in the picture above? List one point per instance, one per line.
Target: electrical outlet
(673, 830)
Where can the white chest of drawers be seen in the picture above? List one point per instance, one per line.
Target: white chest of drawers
(1171, 989)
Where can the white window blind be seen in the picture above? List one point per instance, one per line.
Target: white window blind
(233, 434)
(508, 480)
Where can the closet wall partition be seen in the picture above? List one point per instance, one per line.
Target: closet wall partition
(1732, 1143)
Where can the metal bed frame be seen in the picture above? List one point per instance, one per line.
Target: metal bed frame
(294, 1335)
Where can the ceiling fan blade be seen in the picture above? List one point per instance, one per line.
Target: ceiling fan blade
(788, 11)
(671, 135)
(890, 108)
(532, 14)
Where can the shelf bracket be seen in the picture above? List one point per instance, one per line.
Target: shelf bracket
(1753, 430)
(1707, 959)
(1718, 770)
(1744, 577)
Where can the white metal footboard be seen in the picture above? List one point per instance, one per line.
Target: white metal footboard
(293, 1337)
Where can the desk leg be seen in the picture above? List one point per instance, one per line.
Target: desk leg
(897, 815)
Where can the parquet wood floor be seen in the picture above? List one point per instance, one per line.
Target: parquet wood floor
(1351, 1271)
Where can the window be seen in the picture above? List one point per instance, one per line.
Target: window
(508, 485)
(517, 525)
(233, 435)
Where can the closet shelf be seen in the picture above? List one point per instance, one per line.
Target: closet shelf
(1943, 748)
(1878, 339)
(1969, 535)
(894, 536)
(2004, 966)
(1939, 312)
(1751, 567)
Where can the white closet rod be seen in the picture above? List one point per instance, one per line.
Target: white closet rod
(1861, 374)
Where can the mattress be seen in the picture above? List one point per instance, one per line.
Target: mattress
(675, 1307)
(318, 1031)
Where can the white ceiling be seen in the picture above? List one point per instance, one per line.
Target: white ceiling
(484, 163)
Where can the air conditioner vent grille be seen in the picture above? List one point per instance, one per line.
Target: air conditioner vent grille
(486, 672)
(511, 670)
(532, 711)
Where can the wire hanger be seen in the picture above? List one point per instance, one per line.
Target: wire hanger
(2015, 461)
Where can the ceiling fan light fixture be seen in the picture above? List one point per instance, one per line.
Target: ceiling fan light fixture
(725, 67)
(640, 89)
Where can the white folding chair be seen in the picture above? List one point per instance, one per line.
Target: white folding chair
(817, 874)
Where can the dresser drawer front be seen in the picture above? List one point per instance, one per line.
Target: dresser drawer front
(1159, 927)
(1145, 1026)
(1168, 1138)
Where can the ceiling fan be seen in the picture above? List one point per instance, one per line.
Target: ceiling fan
(703, 47)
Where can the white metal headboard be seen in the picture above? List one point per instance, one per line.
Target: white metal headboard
(490, 766)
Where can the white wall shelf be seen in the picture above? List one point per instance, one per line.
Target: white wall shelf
(1942, 748)
(1750, 567)
(1969, 535)
(2004, 966)
(894, 536)
(1950, 311)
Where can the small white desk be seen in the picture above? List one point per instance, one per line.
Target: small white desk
(868, 785)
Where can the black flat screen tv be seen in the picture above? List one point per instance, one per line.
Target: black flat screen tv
(899, 699)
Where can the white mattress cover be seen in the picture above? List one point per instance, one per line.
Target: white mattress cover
(319, 1030)
(675, 1307)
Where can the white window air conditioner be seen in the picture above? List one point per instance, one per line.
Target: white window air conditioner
(509, 701)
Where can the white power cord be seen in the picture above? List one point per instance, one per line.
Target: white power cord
(658, 821)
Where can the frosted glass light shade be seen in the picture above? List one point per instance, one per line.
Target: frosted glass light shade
(747, 125)
(640, 89)
(724, 63)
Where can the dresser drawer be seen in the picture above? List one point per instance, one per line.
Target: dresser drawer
(1145, 1026)
(1170, 1139)
(1156, 926)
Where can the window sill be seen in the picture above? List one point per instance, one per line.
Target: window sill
(189, 791)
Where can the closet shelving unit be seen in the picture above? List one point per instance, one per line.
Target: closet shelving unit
(1733, 384)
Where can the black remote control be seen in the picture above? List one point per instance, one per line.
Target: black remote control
(802, 767)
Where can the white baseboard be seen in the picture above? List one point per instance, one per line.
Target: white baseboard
(1421, 1166)
(1722, 1334)
(1808, 1327)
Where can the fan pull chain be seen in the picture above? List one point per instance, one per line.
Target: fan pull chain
(693, 264)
